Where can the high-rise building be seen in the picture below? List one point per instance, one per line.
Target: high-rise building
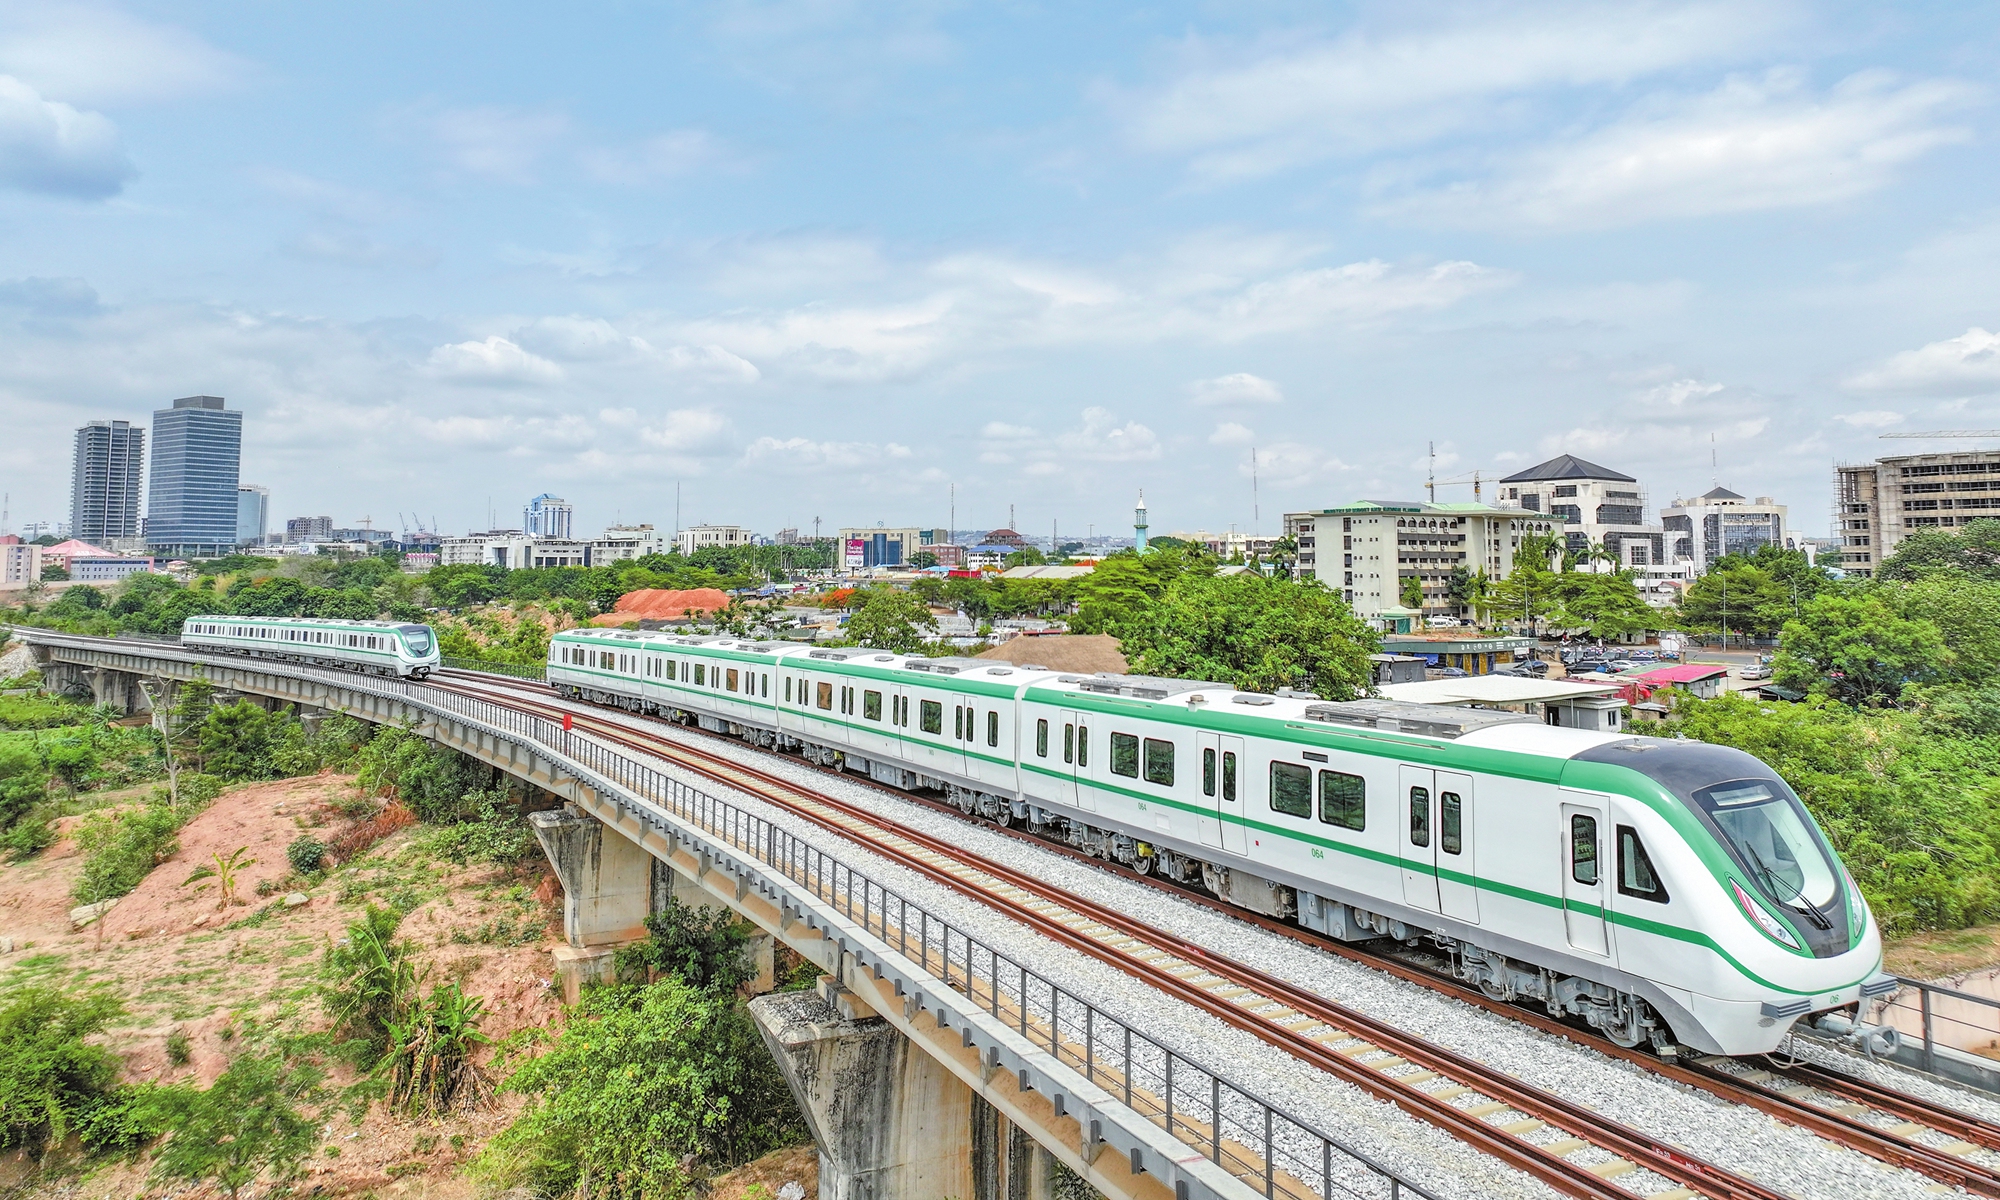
(309, 529)
(547, 516)
(104, 484)
(1719, 522)
(191, 501)
(1366, 550)
(253, 514)
(1877, 505)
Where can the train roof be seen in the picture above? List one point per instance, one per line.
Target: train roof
(307, 621)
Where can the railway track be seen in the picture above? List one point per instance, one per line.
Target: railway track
(1559, 1141)
(1890, 1126)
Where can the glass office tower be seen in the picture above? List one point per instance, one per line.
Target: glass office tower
(191, 504)
(104, 485)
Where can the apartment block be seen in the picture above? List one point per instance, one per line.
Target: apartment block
(1364, 550)
(104, 481)
(1878, 504)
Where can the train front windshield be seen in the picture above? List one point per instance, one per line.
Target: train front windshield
(417, 638)
(1767, 829)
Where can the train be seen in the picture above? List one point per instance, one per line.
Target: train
(377, 647)
(1666, 892)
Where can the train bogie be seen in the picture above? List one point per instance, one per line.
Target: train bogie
(1661, 892)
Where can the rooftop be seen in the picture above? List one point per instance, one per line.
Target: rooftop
(1494, 689)
(1567, 466)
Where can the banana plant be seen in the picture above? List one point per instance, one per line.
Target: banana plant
(223, 869)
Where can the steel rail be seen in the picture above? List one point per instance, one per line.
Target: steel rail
(1546, 1108)
(1899, 1148)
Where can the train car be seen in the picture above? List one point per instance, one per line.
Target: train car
(1664, 892)
(377, 647)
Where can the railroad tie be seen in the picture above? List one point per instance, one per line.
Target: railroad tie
(1486, 1108)
(1679, 1193)
(1519, 1128)
(1906, 1129)
(1849, 1109)
(1612, 1169)
(1564, 1147)
(1958, 1148)
(1448, 1093)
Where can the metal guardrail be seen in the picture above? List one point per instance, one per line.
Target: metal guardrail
(539, 672)
(1951, 1024)
(1252, 1139)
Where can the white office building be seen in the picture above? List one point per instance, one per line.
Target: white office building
(1366, 549)
(1719, 522)
(548, 516)
(701, 537)
(623, 543)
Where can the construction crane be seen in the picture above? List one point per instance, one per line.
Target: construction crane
(1432, 483)
(1948, 433)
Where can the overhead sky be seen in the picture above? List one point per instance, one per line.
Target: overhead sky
(824, 259)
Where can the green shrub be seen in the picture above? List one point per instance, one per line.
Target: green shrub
(28, 837)
(367, 983)
(702, 947)
(51, 1078)
(245, 1125)
(306, 854)
(38, 712)
(121, 848)
(495, 833)
(642, 1088)
(429, 1063)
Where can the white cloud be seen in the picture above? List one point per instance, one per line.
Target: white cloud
(1229, 433)
(1680, 391)
(1098, 437)
(89, 54)
(1239, 388)
(806, 454)
(46, 146)
(1355, 293)
(1968, 363)
(1750, 145)
(1316, 97)
(1870, 419)
(492, 360)
(499, 143)
(667, 156)
(1294, 464)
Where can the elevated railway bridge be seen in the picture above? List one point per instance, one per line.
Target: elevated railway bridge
(928, 1063)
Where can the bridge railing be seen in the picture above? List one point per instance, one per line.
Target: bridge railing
(539, 672)
(1260, 1143)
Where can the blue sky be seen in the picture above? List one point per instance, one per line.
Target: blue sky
(827, 260)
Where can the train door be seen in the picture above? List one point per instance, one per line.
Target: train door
(1076, 760)
(1458, 895)
(1419, 851)
(965, 724)
(1583, 877)
(1208, 825)
(1229, 796)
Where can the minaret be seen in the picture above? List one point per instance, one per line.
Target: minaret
(1139, 524)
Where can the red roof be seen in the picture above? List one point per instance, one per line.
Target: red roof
(1683, 673)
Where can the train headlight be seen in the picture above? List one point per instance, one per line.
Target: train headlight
(1857, 911)
(1764, 920)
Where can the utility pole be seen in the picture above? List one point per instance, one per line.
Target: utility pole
(1256, 518)
(677, 513)
(1431, 479)
(1725, 612)
(951, 534)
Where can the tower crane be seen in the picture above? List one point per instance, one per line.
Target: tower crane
(1948, 433)
(1432, 483)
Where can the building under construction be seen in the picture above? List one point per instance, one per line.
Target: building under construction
(1876, 505)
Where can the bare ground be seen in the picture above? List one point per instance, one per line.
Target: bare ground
(180, 961)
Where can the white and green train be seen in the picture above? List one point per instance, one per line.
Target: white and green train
(1664, 891)
(377, 647)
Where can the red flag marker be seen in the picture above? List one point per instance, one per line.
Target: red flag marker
(566, 722)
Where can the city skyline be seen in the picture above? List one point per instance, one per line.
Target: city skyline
(1100, 252)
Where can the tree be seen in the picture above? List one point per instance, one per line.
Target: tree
(887, 619)
(1540, 550)
(1529, 593)
(1119, 592)
(923, 560)
(50, 1077)
(223, 869)
(1974, 551)
(1026, 556)
(1255, 632)
(1411, 592)
(637, 1091)
(243, 1126)
(1602, 606)
(1854, 646)
(1966, 613)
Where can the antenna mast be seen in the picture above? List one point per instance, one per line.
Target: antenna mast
(1256, 516)
(1431, 479)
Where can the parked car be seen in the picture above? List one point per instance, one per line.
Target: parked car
(1757, 671)
(1453, 672)
(1441, 622)
(1643, 655)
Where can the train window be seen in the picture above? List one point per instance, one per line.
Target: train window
(1208, 772)
(701, 674)
(958, 722)
(1069, 743)
(788, 689)
(993, 729)
(1125, 754)
(1041, 739)
(732, 679)
(1229, 775)
(826, 696)
(1420, 816)
(1451, 818)
(871, 705)
(671, 665)
(1291, 789)
(1083, 745)
(930, 716)
(1583, 849)
(1636, 876)
(767, 686)
(1343, 800)
(1160, 762)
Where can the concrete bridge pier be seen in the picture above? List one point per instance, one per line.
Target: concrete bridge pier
(891, 1122)
(119, 689)
(611, 885)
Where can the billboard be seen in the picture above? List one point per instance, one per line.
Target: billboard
(855, 553)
